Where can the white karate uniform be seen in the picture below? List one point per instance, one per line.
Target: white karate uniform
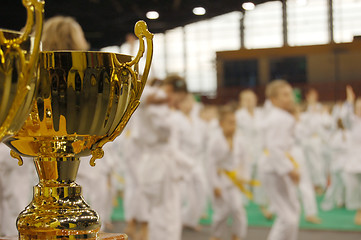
(95, 182)
(136, 204)
(314, 146)
(250, 129)
(341, 144)
(15, 190)
(352, 168)
(275, 167)
(343, 111)
(220, 158)
(113, 161)
(191, 134)
(196, 109)
(306, 189)
(212, 128)
(136, 207)
(160, 172)
(335, 194)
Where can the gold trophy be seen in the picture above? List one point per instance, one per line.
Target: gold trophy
(83, 100)
(18, 58)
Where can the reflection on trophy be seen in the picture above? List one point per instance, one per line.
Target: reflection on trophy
(18, 59)
(82, 101)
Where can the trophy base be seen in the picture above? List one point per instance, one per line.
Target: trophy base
(102, 236)
(58, 210)
(112, 236)
(58, 213)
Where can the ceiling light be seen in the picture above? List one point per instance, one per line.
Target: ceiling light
(248, 6)
(199, 11)
(152, 15)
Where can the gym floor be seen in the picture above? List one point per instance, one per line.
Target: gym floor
(260, 233)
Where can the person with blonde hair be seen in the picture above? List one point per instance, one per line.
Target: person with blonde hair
(250, 128)
(226, 156)
(63, 33)
(278, 169)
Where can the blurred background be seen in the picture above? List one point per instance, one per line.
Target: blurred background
(222, 47)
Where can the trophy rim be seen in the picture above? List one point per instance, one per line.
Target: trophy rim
(10, 31)
(80, 51)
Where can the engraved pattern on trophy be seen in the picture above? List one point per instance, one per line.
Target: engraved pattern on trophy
(18, 59)
(77, 105)
(83, 100)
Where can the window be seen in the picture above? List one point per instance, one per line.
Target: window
(158, 68)
(263, 26)
(243, 73)
(190, 51)
(292, 69)
(174, 51)
(203, 40)
(307, 22)
(347, 19)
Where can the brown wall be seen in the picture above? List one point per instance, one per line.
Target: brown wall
(329, 69)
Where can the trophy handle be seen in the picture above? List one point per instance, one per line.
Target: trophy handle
(35, 10)
(141, 31)
(15, 155)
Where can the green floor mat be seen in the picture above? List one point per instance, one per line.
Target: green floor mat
(118, 212)
(337, 219)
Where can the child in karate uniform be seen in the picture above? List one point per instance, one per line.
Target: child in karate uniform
(306, 188)
(191, 134)
(279, 174)
(335, 193)
(209, 115)
(249, 127)
(225, 153)
(163, 165)
(314, 147)
(249, 120)
(352, 167)
(136, 204)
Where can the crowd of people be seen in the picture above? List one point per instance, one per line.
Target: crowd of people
(179, 154)
(176, 155)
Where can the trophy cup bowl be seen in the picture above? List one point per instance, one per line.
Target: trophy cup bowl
(18, 59)
(83, 100)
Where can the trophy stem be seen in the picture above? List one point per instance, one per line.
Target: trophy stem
(58, 209)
